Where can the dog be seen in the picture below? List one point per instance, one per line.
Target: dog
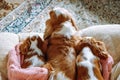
(90, 60)
(88, 66)
(60, 39)
(63, 43)
(33, 52)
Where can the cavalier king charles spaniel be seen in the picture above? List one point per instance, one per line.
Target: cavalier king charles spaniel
(64, 45)
(90, 54)
(33, 52)
(61, 39)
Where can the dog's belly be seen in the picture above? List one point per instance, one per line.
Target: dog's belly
(85, 71)
(62, 59)
(33, 61)
(88, 66)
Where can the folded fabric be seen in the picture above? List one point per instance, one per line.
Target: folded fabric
(106, 67)
(15, 72)
(115, 75)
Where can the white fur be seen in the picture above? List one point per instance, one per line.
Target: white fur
(87, 54)
(67, 30)
(71, 55)
(35, 61)
(35, 48)
(88, 62)
(88, 37)
(60, 11)
(61, 76)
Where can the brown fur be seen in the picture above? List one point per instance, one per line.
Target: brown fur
(55, 21)
(60, 48)
(98, 48)
(25, 49)
(82, 72)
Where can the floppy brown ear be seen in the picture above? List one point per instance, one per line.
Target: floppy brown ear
(52, 15)
(48, 29)
(24, 47)
(40, 42)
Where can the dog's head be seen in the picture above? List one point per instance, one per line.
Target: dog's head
(57, 16)
(30, 43)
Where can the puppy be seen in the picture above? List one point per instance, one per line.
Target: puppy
(33, 52)
(59, 34)
(92, 53)
(88, 66)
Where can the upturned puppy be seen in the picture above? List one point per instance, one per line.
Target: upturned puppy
(60, 35)
(88, 66)
(33, 52)
(88, 61)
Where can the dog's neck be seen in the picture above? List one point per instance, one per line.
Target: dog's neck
(35, 48)
(65, 30)
(90, 64)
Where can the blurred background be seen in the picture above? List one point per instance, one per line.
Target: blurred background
(30, 15)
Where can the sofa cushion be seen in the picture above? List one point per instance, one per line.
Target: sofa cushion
(7, 42)
(115, 75)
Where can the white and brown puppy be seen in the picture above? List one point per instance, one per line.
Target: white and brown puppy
(88, 66)
(33, 52)
(90, 53)
(60, 35)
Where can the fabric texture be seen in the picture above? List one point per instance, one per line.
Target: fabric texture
(106, 67)
(15, 72)
(7, 42)
(115, 75)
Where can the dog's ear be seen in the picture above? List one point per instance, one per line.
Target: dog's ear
(24, 47)
(48, 30)
(40, 42)
(52, 15)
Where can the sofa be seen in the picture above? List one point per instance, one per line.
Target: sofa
(109, 34)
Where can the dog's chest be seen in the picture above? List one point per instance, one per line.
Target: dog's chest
(66, 30)
(34, 56)
(87, 63)
(35, 48)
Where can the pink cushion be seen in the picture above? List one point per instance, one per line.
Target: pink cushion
(106, 67)
(15, 72)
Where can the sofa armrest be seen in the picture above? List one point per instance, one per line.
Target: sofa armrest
(7, 42)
